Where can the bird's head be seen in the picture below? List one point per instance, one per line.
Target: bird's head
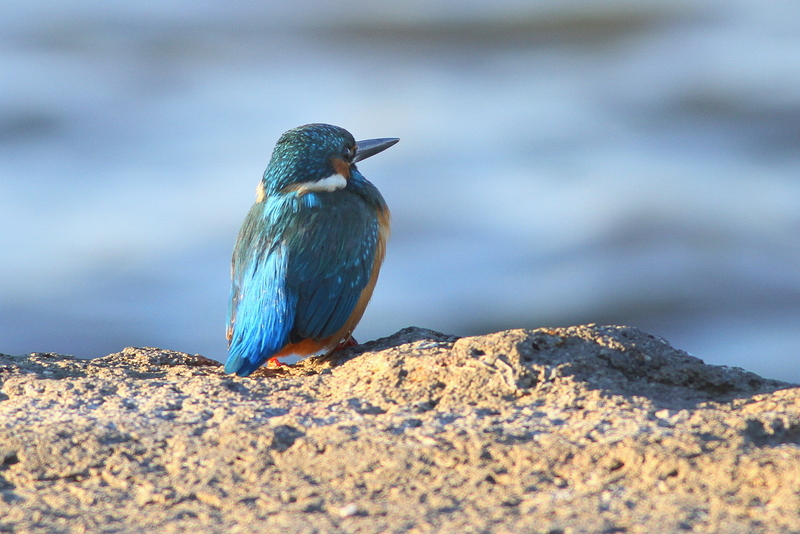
(317, 157)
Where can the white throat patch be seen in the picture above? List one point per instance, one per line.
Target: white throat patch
(331, 183)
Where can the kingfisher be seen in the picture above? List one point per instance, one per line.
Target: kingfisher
(309, 251)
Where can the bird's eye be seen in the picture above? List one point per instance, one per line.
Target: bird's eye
(349, 153)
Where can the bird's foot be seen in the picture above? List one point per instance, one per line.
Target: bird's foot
(349, 342)
(274, 362)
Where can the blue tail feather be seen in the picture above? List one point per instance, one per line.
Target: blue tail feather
(261, 313)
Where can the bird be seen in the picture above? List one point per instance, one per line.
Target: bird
(309, 252)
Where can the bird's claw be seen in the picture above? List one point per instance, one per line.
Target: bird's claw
(274, 362)
(349, 342)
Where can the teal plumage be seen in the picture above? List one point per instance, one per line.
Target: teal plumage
(309, 251)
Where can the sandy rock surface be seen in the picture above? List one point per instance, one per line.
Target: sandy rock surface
(581, 429)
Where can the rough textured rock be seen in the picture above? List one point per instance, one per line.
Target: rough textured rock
(582, 429)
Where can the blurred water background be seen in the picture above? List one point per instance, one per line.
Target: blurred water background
(612, 161)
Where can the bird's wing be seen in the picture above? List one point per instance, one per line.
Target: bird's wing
(331, 263)
(261, 309)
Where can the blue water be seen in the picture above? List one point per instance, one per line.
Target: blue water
(568, 162)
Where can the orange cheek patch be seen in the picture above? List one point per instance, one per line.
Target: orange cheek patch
(342, 167)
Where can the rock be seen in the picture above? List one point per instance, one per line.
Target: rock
(581, 429)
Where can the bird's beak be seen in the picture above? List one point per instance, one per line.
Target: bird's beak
(370, 147)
